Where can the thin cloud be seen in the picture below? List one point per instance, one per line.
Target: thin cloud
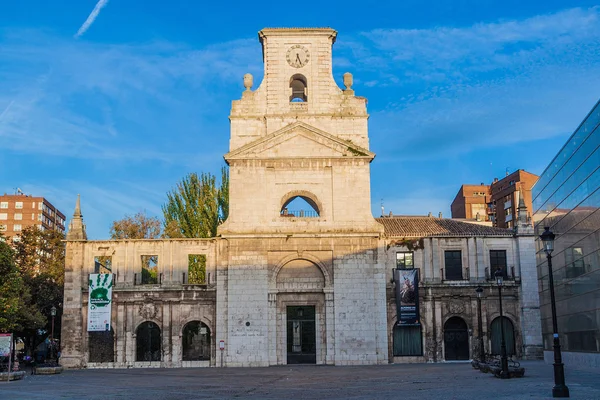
(91, 18)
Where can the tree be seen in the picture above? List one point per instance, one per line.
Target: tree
(196, 207)
(138, 226)
(40, 260)
(11, 284)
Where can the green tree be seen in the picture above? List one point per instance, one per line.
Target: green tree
(40, 259)
(11, 285)
(196, 207)
(138, 226)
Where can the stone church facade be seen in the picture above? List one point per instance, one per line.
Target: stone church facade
(314, 286)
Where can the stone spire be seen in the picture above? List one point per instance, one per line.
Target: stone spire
(522, 211)
(522, 225)
(76, 226)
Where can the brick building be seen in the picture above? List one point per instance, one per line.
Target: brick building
(19, 211)
(497, 202)
(471, 202)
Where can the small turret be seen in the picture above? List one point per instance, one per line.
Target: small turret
(76, 226)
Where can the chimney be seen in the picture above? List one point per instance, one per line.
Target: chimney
(440, 215)
(391, 214)
(429, 215)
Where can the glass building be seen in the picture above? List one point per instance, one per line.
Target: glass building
(566, 199)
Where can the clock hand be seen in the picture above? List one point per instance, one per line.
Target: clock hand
(298, 58)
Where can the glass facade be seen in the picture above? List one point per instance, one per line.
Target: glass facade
(566, 199)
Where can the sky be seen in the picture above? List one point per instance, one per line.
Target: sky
(118, 100)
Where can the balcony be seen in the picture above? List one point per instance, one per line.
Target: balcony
(509, 274)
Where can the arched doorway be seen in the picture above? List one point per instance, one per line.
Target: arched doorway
(456, 339)
(196, 341)
(101, 346)
(300, 337)
(496, 336)
(148, 342)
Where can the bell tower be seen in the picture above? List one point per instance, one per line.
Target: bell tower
(298, 135)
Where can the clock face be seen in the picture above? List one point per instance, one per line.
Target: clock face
(297, 56)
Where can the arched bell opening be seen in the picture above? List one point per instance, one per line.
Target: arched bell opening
(300, 206)
(299, 86)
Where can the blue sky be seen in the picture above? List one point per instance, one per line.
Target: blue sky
(459, 92)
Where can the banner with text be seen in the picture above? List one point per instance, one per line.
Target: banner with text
(99, 302)
(407, 295)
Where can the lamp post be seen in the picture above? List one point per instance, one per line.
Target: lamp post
(479, 291)
(559, 389)
(53, 314)
(504, 374)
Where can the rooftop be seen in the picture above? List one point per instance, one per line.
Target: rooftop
(430, 226)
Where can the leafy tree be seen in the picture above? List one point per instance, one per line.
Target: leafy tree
(40, 260)
(197, 268)
(11, 285)
(196, 207)
(223, 195)
(138, 226)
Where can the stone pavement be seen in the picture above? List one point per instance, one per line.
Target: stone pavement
(402, 381)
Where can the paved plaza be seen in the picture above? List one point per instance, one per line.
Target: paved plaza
(405, 381)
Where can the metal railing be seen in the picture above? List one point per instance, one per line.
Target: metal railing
(509, 274)
(299, 214)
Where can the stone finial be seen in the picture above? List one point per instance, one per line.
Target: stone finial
(76, 226)
(248, 82)
(77, 212)
(522, 211)
(348, 81)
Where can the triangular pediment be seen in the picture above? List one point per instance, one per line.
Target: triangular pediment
(299, 140)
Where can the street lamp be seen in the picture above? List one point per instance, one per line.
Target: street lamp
(559, 389)
(504, 374)
(479, 292)
(53, 313)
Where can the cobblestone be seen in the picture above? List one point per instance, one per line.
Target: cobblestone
(406, 381)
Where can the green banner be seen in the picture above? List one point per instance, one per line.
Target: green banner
(99, 302)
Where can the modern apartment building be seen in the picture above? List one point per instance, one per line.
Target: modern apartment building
(18, 211)
(497, 202)
(567, 200)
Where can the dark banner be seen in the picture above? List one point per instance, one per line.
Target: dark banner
(407, 295)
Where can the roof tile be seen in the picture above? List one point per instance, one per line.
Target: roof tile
(431, 226)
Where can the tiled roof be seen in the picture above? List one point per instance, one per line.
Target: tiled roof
(430, 226)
